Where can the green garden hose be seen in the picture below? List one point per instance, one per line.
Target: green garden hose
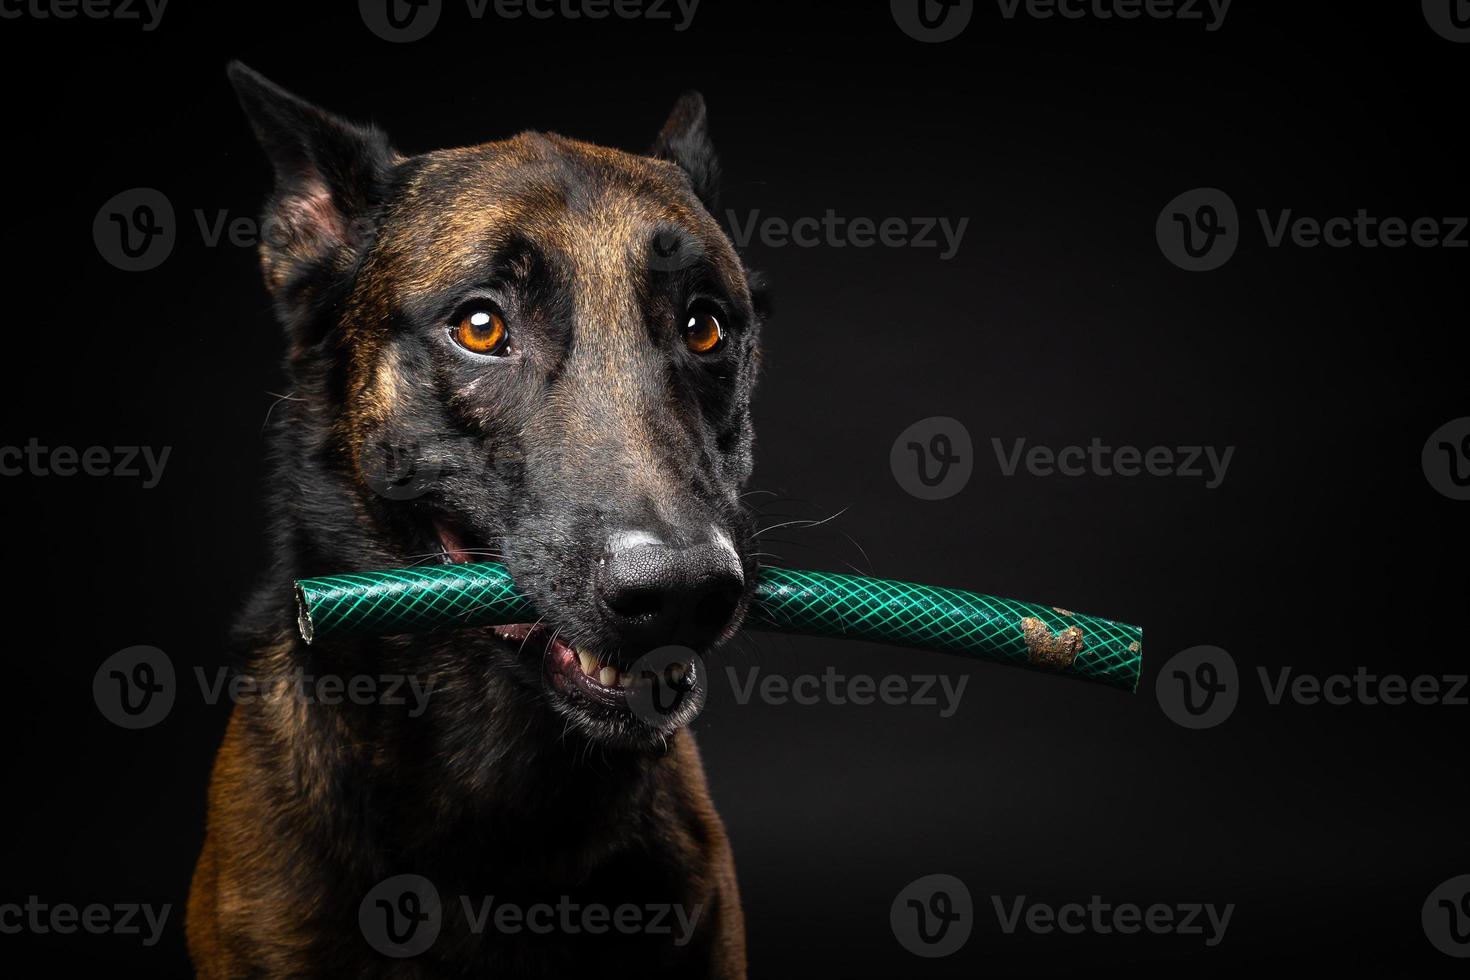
(431, 597)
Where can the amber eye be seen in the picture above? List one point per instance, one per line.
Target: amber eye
(703, 332)
(481, 331)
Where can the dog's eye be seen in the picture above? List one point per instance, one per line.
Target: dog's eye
(481, 331)
(703, 333)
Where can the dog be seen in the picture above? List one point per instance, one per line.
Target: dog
(537, 351)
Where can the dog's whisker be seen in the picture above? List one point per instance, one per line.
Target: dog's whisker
(804, 525)
(288, 397)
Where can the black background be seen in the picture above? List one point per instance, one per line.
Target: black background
(1058, 320)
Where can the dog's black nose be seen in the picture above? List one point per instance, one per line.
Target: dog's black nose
(655, 594)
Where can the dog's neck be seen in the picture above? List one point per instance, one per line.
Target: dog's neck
(486, 762)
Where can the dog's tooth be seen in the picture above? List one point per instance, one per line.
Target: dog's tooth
(608, 677)
(676, 672)
(589, 663)
(625, 680)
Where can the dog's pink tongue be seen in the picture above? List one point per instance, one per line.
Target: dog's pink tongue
(453, 547)
(562, 662)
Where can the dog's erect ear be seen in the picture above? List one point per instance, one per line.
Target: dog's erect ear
(330, 175)
(685, 140)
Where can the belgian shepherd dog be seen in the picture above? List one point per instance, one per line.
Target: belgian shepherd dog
(537, 351)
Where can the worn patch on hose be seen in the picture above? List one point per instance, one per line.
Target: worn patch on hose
(1047, 649)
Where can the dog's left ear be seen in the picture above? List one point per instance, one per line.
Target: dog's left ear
(684, 140)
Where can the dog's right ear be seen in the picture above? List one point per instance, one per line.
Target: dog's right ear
(685, 141)
(330, 179)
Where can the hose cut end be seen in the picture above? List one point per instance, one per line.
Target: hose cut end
(303, 614)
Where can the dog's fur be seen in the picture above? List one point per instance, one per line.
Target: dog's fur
(604, 420)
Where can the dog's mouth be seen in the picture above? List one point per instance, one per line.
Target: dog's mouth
(659, 692)
(579, 673)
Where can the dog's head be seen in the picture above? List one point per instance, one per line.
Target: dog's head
(536, 351)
